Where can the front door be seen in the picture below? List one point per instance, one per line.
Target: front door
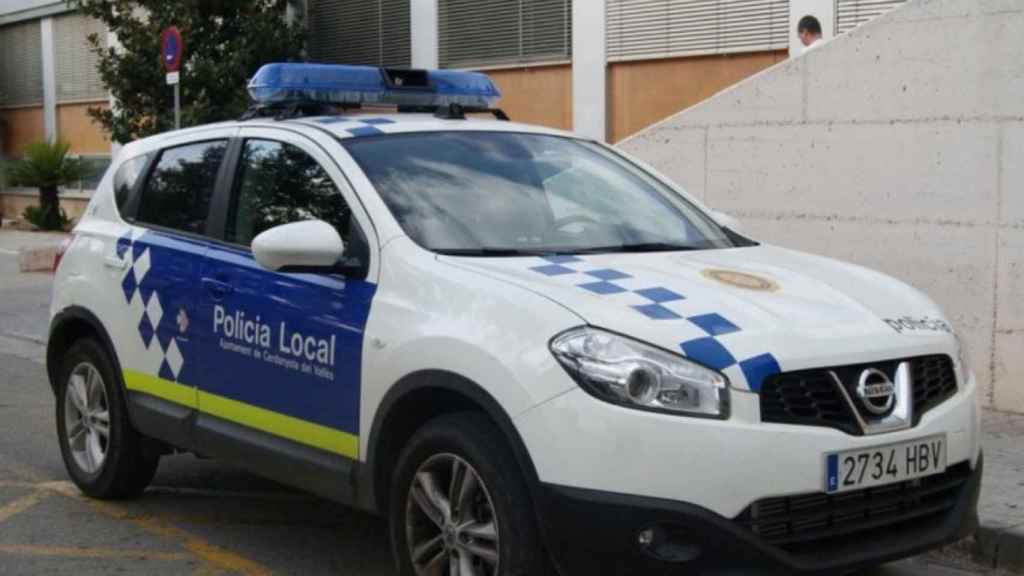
(283, 350)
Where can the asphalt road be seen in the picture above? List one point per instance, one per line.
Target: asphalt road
(199, 517)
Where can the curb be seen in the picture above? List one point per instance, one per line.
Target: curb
(36, 259)
(1001, 547)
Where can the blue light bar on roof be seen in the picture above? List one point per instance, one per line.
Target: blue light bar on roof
(342, 84)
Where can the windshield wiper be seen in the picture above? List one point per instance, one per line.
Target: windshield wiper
(638, 247)
(641, 247)
(484, 251)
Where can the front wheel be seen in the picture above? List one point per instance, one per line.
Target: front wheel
(459, 505)
(103, 454)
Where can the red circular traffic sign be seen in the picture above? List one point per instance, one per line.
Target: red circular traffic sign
(171, 47)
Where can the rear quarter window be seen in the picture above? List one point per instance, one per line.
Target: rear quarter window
(125, 179)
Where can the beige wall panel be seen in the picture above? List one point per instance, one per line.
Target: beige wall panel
(21, 126)
(540, 95)
(76, 127)
(641, 93)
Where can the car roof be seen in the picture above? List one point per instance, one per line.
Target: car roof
(351, 125)
(344, 126)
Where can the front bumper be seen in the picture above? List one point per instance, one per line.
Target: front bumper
(594, 532)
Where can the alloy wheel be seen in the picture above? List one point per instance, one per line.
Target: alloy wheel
(87, 418)
(451, 526)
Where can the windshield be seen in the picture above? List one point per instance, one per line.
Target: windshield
(503, 193)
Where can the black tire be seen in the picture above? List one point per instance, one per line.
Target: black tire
(472, 438)
(128, 466)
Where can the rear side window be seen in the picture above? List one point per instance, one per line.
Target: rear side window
(178, 190)
(126, 177)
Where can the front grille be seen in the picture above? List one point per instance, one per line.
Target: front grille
(807, 397)
(934, 383)
(802, 524)
(811, 397)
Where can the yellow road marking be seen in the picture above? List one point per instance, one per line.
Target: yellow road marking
(104, 553)
(7, 511)
(212, 554)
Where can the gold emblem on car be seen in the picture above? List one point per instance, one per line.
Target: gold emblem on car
(741, 280)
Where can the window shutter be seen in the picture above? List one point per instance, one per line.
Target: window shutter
(644, 29)
(77, 75)
(853, 13)
(21, 64)
(371, 32)
(475, 33)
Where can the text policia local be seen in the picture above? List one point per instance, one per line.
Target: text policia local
(236, 326)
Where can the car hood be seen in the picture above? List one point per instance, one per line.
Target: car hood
(749, 312)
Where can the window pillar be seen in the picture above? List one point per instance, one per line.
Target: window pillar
(49, 79)
(589, 69)
(423, 33)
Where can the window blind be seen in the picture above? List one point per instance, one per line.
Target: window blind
(478, 33)
(644, 29)
(853, 13)
(21, 64)
(370, 32)
(77, 76)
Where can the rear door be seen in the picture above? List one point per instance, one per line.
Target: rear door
(161, 253)
(281, 365)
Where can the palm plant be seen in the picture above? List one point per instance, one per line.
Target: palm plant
(47, 166)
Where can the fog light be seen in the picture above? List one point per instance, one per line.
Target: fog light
(667, 545)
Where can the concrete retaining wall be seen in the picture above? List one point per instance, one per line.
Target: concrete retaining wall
(899, 146)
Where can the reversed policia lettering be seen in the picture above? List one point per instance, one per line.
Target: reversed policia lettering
(923, 324)
(254, 332)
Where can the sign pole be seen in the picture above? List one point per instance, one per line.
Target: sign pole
(177, 106)
(171, 47)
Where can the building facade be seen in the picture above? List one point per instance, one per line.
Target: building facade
(604, 68)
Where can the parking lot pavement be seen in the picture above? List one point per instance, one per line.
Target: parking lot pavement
(199, 517)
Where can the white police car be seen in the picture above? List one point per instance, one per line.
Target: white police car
(522, 347)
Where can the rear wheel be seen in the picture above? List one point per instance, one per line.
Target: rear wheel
(459, 505)
(103, 454)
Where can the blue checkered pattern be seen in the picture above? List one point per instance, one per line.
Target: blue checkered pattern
(155, 326)
(659, 303)
(356, 126)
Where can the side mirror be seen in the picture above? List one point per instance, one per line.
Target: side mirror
(299, 246)
(725, 220)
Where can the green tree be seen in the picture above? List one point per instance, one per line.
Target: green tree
(48, 167)
(225, 42)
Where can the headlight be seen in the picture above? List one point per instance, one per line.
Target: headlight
(626, 372)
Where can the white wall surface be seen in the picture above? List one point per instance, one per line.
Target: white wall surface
(899, 146)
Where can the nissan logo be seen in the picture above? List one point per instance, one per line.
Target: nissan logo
(876, 391)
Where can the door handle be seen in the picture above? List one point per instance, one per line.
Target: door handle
(217, 288)
(115, 263)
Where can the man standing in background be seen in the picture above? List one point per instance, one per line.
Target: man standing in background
(809, 31)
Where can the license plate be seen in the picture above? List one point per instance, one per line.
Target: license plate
(867, 467)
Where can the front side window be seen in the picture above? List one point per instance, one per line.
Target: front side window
(178, 190)
(497, 193)
(278, 183)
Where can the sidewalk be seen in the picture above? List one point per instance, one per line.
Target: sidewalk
(1000, 539)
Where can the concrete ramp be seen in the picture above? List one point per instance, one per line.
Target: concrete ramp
(899, 146)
